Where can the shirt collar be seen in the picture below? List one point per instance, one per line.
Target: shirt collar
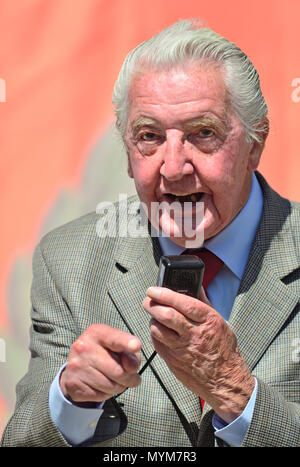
(233, 243)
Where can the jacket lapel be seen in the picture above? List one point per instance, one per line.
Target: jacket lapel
(264, 302)
(129, 290)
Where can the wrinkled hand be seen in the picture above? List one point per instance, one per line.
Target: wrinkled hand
(200, 349)
(102, 362)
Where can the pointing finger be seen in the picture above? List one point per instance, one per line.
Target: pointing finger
(114, 339)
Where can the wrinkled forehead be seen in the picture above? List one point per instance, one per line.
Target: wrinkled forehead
(182, 91)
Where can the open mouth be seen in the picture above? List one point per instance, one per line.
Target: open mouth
(189, 198)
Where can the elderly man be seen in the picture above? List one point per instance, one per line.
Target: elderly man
(194, 124)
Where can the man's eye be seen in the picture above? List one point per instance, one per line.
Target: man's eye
(147, 142)
(149, 136)
(201, 135)
(206, 133)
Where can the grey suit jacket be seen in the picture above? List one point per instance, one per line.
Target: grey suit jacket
(81, 279)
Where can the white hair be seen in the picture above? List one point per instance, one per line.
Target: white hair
(186, 41)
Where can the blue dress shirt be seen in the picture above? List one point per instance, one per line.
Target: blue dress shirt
(78, 424)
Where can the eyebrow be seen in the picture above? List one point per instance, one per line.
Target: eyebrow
(142, 122)
(200, 122)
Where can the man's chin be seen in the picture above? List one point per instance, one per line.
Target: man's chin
(184, 230)
(188, 243)
(193, 239)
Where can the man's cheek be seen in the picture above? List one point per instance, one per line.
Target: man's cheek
(221, 175)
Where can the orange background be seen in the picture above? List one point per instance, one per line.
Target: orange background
(59, 155)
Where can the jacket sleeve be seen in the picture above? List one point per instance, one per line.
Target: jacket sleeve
(51, 335)
(53, 330)
(276, 417)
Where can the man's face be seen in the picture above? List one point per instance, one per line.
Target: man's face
(183, 139)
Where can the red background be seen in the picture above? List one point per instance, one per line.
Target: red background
(59, 60)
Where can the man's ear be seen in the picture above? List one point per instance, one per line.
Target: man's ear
(254, 155)
(258, 147)
(129, 169)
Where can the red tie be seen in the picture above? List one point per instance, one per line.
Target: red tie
(212, 265)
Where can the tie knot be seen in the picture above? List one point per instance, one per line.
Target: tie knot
(211, 262)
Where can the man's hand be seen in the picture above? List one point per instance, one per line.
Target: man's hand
(200, 349)
(102, 362)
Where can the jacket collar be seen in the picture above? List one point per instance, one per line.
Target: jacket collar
(264, 302)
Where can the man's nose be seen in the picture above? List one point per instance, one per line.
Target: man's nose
(176, 162)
